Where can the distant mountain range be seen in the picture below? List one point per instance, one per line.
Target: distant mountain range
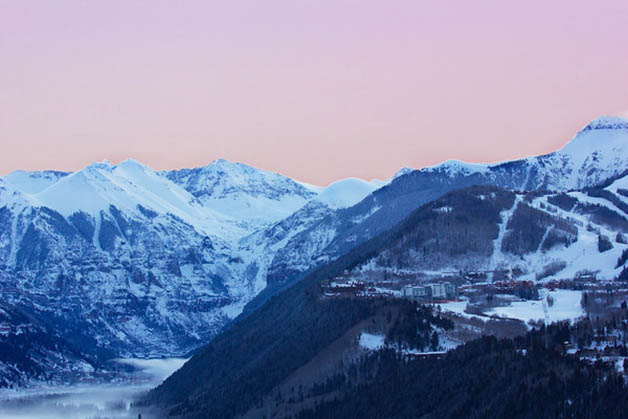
(121, 260)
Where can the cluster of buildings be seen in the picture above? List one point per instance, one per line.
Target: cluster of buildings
(436, 291)
(355, 289)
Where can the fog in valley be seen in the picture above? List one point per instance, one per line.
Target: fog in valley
(81, 401)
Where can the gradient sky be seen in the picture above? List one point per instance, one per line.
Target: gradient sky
(316, 90)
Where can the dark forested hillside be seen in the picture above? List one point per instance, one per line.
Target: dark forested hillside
(528, 377)
(455, 229)
(29, 351)
(239, 367)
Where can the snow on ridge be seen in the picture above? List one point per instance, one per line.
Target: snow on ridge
(453, 166)
(222, 176)
(607, 122)
(32, 182)
(346, 192)
(601, 147)
(254, 198)
(621, 183)
(598, 135)
(403, 171)
(310, 187)
(100, 185)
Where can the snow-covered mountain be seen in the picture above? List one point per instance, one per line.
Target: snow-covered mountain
(597, 153)
(251, 197)
(487, 230)
(137, 261)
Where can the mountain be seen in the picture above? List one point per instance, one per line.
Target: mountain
(486, 229)
(125, 260)
(110, 255)
(254, 198)
(303, 343)
(261, 249)
(597, 153)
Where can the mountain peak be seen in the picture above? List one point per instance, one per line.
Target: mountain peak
(221, 163)
(403, 171)
(134, 165)
(346, 192)
(605, 132)
(102, 165)
(607, 122)
(131, 162)
(453, 166)
(254, 196)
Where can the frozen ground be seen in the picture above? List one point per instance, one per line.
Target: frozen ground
(88, 400)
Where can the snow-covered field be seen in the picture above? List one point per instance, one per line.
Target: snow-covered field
(456, 307)
(566, 306)
(371, 341)
(88, 400)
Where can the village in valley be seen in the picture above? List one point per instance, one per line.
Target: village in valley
(495, 302)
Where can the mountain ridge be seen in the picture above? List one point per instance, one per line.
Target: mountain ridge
(141, 259)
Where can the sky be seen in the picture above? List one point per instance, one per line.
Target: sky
(315, 90)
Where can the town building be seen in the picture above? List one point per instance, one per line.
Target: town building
(436, 291)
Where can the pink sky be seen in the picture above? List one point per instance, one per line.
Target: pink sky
(316, 90)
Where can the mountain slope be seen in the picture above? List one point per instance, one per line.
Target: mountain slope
(488, 378)
(125, 260)
(595, 154)
(484, 229)
(253, 197)
(29, 351)
(121, 258)
(464, 229)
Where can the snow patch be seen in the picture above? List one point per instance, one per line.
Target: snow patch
(566, 306)
(371, 341)
(346, 192)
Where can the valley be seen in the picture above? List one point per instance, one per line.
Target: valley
(90, 398)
